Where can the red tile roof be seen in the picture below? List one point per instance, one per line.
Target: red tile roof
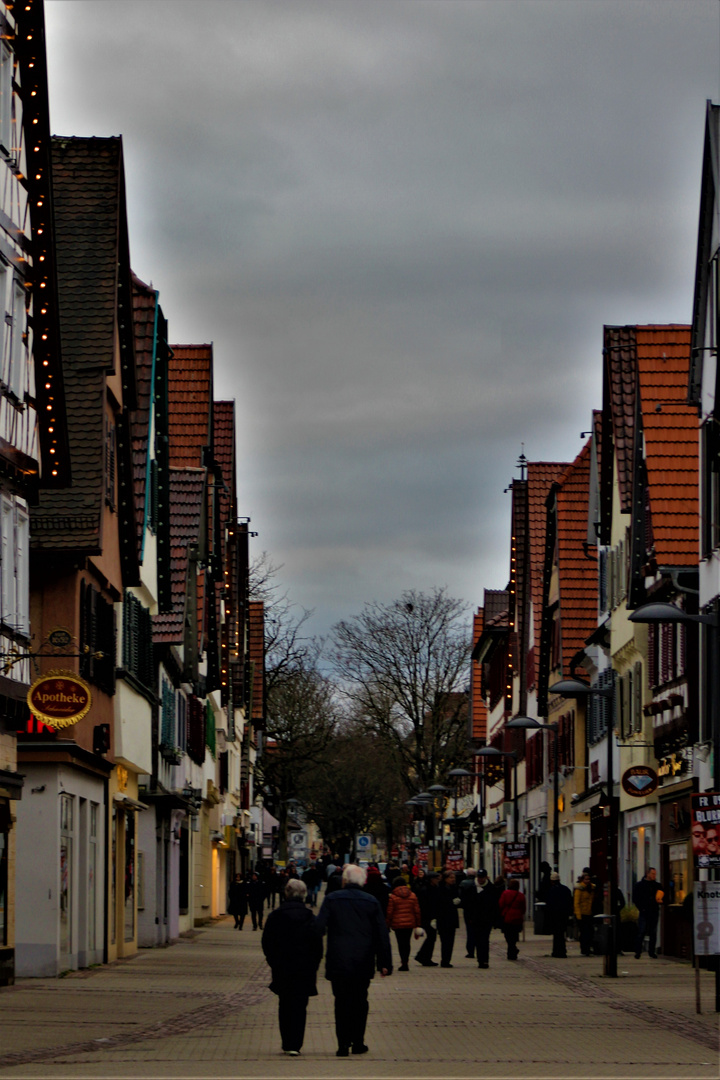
(187, 493)
(190, 399)
(478, 708)
(577, 574)
(621, 375)
(670, 427)
(256, 649)
(224, 452)
(144, 305)
(541, 475)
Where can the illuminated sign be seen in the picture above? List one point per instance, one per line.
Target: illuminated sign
(59, 699)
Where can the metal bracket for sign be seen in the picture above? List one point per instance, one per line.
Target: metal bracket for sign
(57, 640)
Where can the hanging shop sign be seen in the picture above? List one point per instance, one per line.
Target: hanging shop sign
(59, 699)
(639, 780)
(516, 861)
(705, 830)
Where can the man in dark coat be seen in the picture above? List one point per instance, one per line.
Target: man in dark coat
(427, 894)
(256, 901)
(358, 941)
(482, 913)
(645, 898)
(238, 901)
(293, 949)
(467, 891)
(558, 909)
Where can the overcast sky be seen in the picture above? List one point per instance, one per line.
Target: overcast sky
(403, 226)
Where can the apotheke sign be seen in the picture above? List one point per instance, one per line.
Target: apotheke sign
(59, 698)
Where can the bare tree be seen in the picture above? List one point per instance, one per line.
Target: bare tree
(287, 647)
(405, 666)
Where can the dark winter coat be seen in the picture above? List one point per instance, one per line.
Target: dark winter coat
(256, 895)
(558, 906)
(482, 906)
(512, 907)
(644, 900)
(447, 909)
(427, 895)
(238, 898)
(358, 939)
(293, 948)
(403, 910)
(375, 885)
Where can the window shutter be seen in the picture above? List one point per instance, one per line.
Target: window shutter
(18, 369)
(682, 645)
(22, 576)
(638, 697)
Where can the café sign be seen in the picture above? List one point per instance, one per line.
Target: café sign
(59, 698)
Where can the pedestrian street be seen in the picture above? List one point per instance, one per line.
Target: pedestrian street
(201, 1008)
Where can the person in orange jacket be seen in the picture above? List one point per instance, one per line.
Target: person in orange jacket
(402, 916)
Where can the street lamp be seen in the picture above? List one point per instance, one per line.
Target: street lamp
(491, 752)
(661, 612)
(527, 723)
(573, 688)
(439, 795)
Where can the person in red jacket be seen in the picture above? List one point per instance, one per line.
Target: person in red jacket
(402, 916)
(512, 913)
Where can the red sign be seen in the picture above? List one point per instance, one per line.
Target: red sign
(454, 860)
(394, 854)
(422, 854)
(59, 698)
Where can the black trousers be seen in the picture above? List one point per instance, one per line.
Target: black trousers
(587, 932)
(470, 939)
(292, 1012)
(256, 914)
(351, 1010)
(447, 942)
(559, 948)
(512, 934)
(403, 937)
(425, 952)
(482, 944)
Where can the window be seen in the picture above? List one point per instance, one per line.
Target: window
(6, 94)
(168, 722)
(97, 639)
(137, 640)
(15, 358)
(14, 562)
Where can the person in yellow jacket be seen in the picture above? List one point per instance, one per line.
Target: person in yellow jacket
(582, 904)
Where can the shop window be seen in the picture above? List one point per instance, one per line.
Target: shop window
(677, 877)
(3, 885)
(129, 882)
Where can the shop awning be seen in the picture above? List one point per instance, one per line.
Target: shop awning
(128, 803)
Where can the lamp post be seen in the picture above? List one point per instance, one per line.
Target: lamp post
(529, 724)
(491, 752)
(660, 612)
(573, 688)
(423, 800)
(439, 794)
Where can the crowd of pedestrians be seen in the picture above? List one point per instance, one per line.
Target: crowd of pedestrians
(363, 906)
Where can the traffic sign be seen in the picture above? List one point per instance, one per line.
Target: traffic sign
(363, 843)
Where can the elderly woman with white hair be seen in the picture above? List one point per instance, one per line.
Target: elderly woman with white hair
(293, 948)
(358, 942)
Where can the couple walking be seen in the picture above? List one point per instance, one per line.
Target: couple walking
(358, 944)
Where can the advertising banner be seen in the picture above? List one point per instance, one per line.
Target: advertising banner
(707, 918)
(422, 854)
(705, 828)
(455, 860)
(516, 861)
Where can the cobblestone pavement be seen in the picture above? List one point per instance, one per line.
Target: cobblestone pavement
(201, 1009)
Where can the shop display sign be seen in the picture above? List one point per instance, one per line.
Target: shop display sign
(639, 780)
(422, 854)
(454, 860)
(59, 698)
(707, 918)
(705, 830)
(516, 860)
